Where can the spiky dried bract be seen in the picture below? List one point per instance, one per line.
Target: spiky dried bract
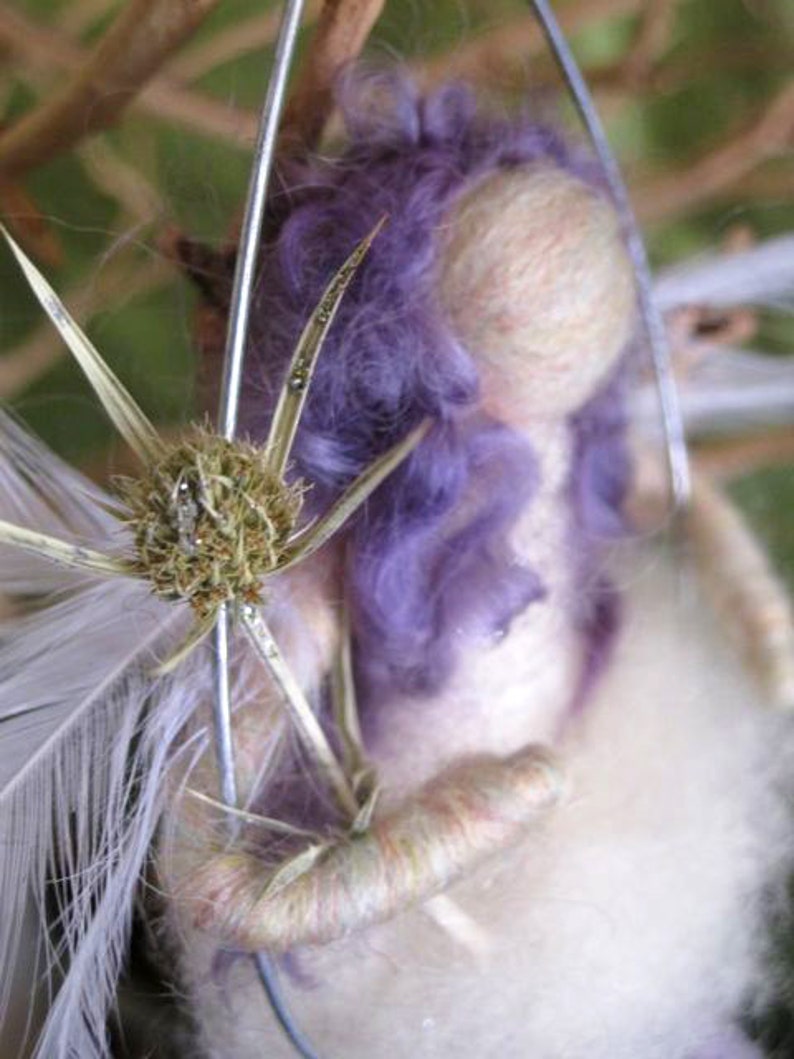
(210, 521)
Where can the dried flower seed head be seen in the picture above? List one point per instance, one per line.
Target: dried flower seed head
(211, 520)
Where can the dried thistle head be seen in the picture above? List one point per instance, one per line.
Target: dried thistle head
(211, 519)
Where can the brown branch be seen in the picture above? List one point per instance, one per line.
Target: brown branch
(201, 113)
(766, 137)
(120, 180)
(492, 55)
(136, 45)
(36, 44)
(342, 32)
(241, 38)
(680, 72)
(28, 224)
(727, 460)
(44, 50)
(774, 182)
(80, 15)
(650, 41)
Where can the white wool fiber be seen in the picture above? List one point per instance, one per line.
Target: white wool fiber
(762, 275)
(632, 926)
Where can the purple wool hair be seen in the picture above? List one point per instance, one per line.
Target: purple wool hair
(390, 361)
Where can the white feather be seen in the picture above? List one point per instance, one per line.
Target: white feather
(762, 275)
(86, 734)
(728, 390)
(40, 491)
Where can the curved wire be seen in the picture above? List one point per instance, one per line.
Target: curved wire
(239, 312)
(268, 975)
(250, 234)
(675, 437)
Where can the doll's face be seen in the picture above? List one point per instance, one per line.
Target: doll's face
(537, 285)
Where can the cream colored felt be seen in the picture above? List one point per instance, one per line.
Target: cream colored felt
(535, 281)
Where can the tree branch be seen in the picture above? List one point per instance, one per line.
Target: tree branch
(28, 224)
(766, 137)
(136, 45)
(240, 38)
(491, 55)
(114, 284)
(650, 41)
(342, 32)
(734, 458)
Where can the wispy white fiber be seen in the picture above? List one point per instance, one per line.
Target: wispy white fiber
(86, 736)
(762, 275)
(729, 390)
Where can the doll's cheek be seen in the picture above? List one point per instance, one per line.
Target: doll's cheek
(536, 283)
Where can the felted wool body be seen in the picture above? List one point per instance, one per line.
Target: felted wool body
(492, 609)
(632, 923)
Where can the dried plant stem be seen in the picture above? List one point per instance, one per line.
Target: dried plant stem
(767, 183)
(678, 72)
(294, 391)
(118, 280)
(79, 15)
(137, 44)
(344, 697)
(200, 113)
(301, 713)
(770, 134)
(130, 421)
(267, 823)
(45, 51)
(61, 552)
(341, 33)
(26, 221)
(119, 179)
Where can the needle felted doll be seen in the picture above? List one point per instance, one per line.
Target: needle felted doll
(572, 834)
